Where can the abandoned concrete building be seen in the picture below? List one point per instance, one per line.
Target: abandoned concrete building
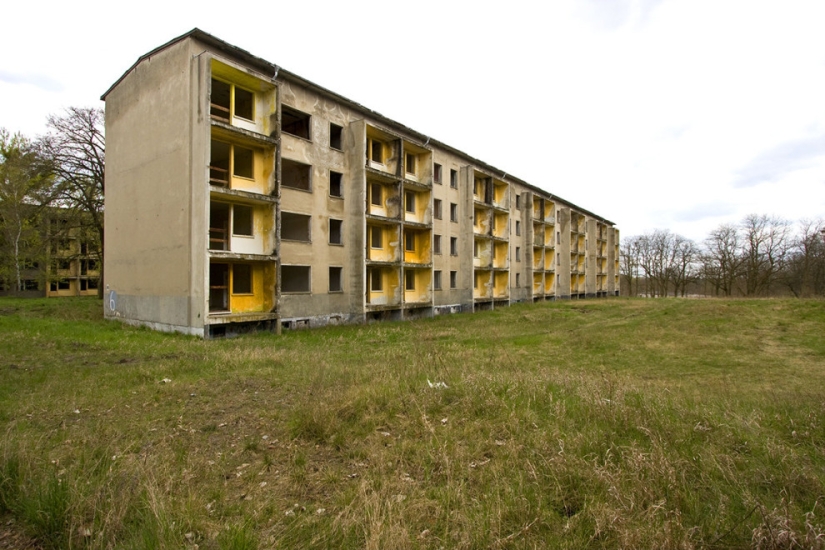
(240, 195)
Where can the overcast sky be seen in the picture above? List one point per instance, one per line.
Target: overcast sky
(676, 114)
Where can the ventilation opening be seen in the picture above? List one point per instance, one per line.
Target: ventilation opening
(296, 175)
(295, 278)
(295, 227)
(294, 122)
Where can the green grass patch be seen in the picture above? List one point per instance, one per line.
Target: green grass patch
(611, 423)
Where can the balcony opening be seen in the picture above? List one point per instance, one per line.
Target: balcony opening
(218, 226)
(295, 278)
(295, 122)
(335, 233)
(220, 107)
(335, 184)
(295, 227)
(241, 279)
(375, 151)
(296, 175)
(242, 220)
(219, 164)
(218, 287)
(335, 279)
(335, 133)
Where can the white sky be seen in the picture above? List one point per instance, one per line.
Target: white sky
(676, 114)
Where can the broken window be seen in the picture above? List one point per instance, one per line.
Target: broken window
(242, 220)
(295, 227)
(437, 280)
(376, 237)
(409, 280)
(375, 151)
(436, 244)
(335, 234)
(453, 179)
(295, 278)
(453, 246)
(335, 184)
(437, 209)
(436, 173)
(294, 122)
(409, 201)
(453, 279)
(410, 163)
(409, 241)
(335, 283)
(335, 132)
(296, 175)
(218, 287)
(241, 279)
(375, 194)
(376, 281)
(453, 212)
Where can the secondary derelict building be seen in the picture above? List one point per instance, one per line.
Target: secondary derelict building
(241, 195)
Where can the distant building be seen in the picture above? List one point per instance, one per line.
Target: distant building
(240, 195)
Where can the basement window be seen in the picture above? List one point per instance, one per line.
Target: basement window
(410, 163)
(241, 279)
(436, 173)
(335, 279)
(296, 175)
(437, 209)
(295, 278)
(409, 280)
(436, 280)
(436, 244)
(294, 122)
(242, 220)
(295, 227)
(375, 194)
(335, 234)
(453, 279)
(335, 184)
(409, 202)
(335, 133)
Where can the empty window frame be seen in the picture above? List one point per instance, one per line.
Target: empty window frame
(453, 279)
(335, 134)
(518, 279)
(409, 241)
(376, 237)
(241, 279)
(335, 232)
(436, 244)
(375, 151)
(558, 237)
(296, 175)
(295, 227)
(229, 100)
(376, 193)
(518, 253)
(436, 173)
(219, 226)
(409, 280)
(518, 227)
(453, 246)
(518, 202)
(453, 179)
(437, 280)
(295, 278)
(242, 220)
(409, 201)
(453, 212)
(336, 187)
(409, 163)
(437, 209)
(376, 280)
(295, 122)
(335, 279)
(475, 249)
(225, 159)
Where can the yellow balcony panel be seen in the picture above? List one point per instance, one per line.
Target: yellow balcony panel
(538, 283)
(383, 243)
(538, 208)
(417, 286)
(548, 235)
(501, 194)
(501, 225)
(239, 98)
(549, 284)
(549, 212)
(383, 151)
(383, 286)
(481, 221)
(384, 199)
(482, 253)
(417, 246)
(501, 284)
(500, 256)
(549, 259)
(240, 167)
(417, 207)
(482, 284)
(538, 257)
(241, 287)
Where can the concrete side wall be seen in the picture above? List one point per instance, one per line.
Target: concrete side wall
(563, 252)
(521, 266)
(590, 268)
(153, 260)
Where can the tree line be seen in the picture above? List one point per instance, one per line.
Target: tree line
(50, 187)
(759, 256)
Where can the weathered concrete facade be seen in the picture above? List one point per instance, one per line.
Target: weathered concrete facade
(240, 195)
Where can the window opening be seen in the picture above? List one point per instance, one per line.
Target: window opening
(437, 209)
(436, 244)
(335, 184)
(410, 163)
(375, 194)
(241, 279)
(437, 280)
(243, 164)
(437, 173)
(376, 281)
(376, 237)
(453, 279)
(453, 246)
(296, 175)
(295, 122)
(335, 133)
(409, 241)
(242, 220)
(409, 280)
(518, 227)
(518, 254)
(244, 104)
(409, 201)
(376, 151)
(453, 179)
(335, 236)
(295, 278)
(295, 227)
(335, 283)
(453, 212)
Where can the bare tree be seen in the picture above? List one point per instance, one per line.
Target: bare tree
(765, 242)
(683, 265)
(630, 264)
(723, 259)
(804, 272)
(75, 148)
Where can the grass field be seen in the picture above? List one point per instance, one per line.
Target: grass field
(586, 424)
